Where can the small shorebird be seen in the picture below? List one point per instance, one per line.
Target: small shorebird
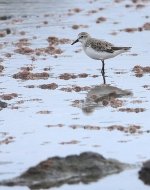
(99, 49)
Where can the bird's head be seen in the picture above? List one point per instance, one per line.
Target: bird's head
(82, 37)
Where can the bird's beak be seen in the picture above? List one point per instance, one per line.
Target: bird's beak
(75, 41)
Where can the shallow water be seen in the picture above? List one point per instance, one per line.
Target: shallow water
(33, 141)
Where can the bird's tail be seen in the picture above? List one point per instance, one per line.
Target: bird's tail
(126, 48)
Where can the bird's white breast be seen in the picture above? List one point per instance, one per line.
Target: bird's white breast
(99, 55)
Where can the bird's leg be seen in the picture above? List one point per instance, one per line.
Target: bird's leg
(103, 67)
(104, 78)
(103, 71)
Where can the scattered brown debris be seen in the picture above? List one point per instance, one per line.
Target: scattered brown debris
(24, 51)
(44, 112)
(73, 11)
(83, 75)
(27, 75)
(48, 50)
(139, 6)
(118, 1)
(22, 33)
(95, 76)
(23, 48)
(92, 12)
(22, 42)
(1, 68)
(129, 129)
(76, 10)
(47, 69)
(89, 127)
(131, 30)
(68, 76)
(146, 26)
(135, 110)
(70, 142)
(8, 96)
(76, 103)
(4, 32)
(7, 140)
(128, 5)
(54, 41)
(115, 103)
(134, 54)
(45, 22)
(139, 70)
(29, 68)
(58, 125)
(51, 86)
(147, 87)
(77, 26)
(30, 86)
(136, 101)
(8, 55)
(78, 50)
(113, 33)
(100, 20)
(75, 88)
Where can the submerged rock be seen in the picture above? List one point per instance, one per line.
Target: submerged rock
(86, 167)
(144, 173)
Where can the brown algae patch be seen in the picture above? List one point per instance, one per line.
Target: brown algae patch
(44, 112)
(54, 41)
(52, 49)
(8, 96)
(58, 125)
(7, 140)
(27, 75)
(78, 26)
(68, 76)
(140, 71)
(75, 88)
(130, 129)
(70, 142)
(129, 110)
(51, 86)
(101, 19)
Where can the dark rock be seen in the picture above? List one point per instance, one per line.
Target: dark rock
(3, 105)
(144, 173)
(56, 171)
(4, 32)
(5, 17)
(1, 68)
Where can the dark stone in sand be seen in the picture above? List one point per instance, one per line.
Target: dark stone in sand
(144, 173)
(56, 171)
(5, 17)
(3, 105)
(1, 68)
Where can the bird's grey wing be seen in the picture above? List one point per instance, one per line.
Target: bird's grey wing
(100, 45)
(120, 48)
